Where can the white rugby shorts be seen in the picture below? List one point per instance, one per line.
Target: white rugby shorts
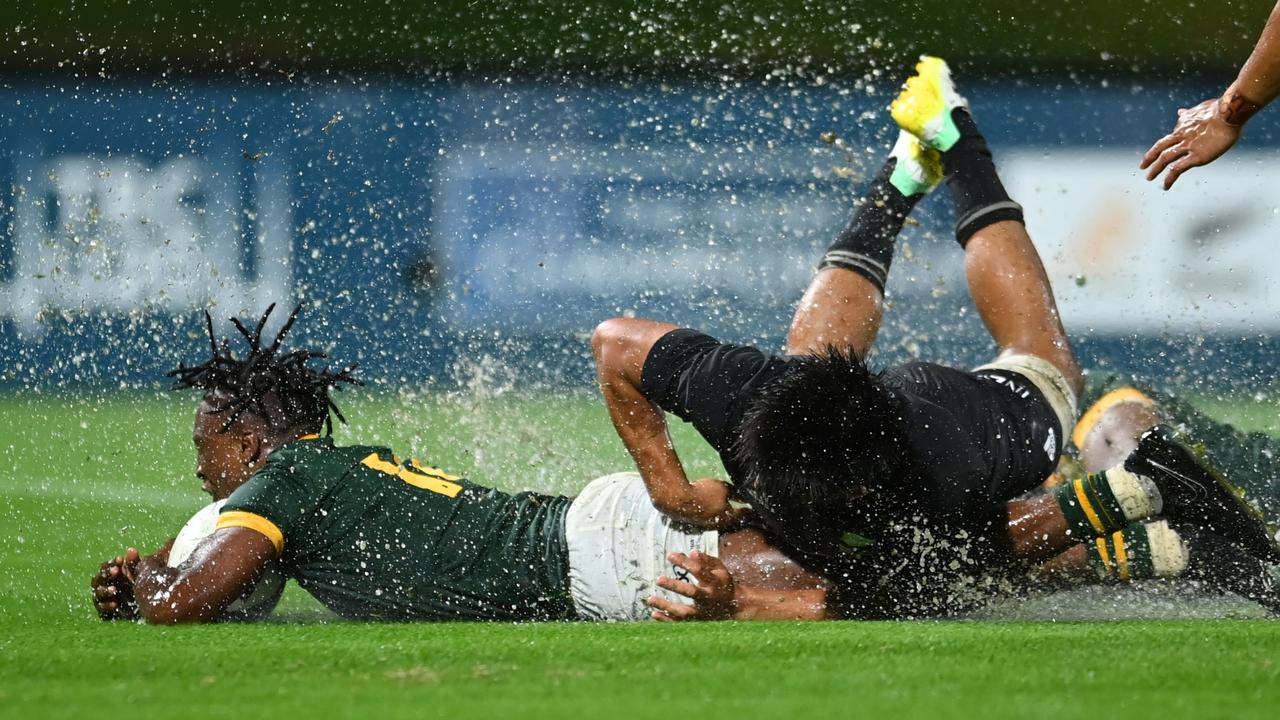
(618, 543)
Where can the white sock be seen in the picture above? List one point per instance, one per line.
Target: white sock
(1137, 495)
(1168, 553)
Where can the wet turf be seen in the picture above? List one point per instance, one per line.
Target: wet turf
(80, 478)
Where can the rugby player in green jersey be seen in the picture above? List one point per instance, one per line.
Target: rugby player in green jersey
(377, 537)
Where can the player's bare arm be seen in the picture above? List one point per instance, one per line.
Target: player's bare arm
(621, 346)
(1205, 132)
(221, 570)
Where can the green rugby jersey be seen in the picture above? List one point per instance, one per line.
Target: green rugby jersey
(374, 538)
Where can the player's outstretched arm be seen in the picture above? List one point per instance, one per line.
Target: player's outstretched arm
(219, 571)
(1208, 130)
(716, 596)
(621, 346)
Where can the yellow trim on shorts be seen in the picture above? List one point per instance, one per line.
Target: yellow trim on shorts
(1122, 557)
(1089, 512)
(1091, 417)
(239, 518)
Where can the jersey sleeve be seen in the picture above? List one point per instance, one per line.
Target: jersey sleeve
(272, 502)
(706, 382)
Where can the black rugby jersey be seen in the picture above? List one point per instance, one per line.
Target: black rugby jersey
(972, 442)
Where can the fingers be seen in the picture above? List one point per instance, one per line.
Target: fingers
(129, 564)
(107, 601)
(108, 573)
(694, 562)
(1161, 145)
(706, 568)
(1170, 154)
(680, 587)
(1185, 163)
(669, 610)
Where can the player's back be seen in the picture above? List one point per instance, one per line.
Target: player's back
(373, 536)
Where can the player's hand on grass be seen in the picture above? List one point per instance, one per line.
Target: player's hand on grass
(712, 596)
(113, 588)
(1200, 136)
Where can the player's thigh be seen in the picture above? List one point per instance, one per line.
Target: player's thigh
(839, 308)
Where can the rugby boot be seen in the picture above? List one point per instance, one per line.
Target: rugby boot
(924, 106)
(1226, 567)
(1195, 494)
(918, 169)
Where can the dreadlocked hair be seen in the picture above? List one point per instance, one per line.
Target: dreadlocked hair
(817, 435)
(277, 388)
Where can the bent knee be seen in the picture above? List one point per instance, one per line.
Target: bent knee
(1109, 430)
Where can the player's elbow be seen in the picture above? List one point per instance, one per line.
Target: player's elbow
(610, 342)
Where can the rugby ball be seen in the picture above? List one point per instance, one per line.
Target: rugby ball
(266, 592)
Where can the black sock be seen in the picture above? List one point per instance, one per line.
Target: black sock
(865, 246)
(979, 196)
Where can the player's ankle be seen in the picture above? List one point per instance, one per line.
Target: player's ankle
(1139, 551)
(866, 246)
(1108, 501)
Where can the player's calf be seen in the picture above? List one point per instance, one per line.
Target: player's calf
(866, 246)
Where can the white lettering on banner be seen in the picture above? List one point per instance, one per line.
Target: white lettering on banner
(114, 234)
(1125, 256)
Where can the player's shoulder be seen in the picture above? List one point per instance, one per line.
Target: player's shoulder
(318, 457)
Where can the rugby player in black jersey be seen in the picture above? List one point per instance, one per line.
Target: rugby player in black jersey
(373, 536)
(907, 489)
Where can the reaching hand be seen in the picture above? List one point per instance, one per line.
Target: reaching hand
(113, 587)
(1200, 137)
(713, 594)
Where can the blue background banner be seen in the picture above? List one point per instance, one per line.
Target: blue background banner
(429, 227)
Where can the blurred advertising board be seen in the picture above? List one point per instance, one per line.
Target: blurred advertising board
(1127, 257)
(424, 225)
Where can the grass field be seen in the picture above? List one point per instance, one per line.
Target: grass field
(83, 477)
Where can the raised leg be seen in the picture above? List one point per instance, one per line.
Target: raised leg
(843, 305)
